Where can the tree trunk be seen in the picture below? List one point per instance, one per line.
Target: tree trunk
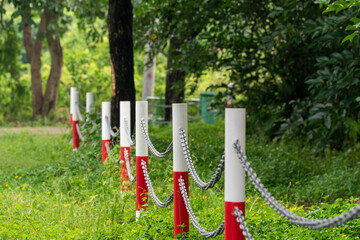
(33, 50)
(175, 79)
(52, 85)
(121, 53)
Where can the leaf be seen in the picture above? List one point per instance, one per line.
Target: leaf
(351, 28)
(322, 60)
(18, 206)
(314, 81)
(355, 20)
(337, 55)
(317, 116)
(349, 37)
(327, 122)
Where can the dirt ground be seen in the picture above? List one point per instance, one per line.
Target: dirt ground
(33, 130)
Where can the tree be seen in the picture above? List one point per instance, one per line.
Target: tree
(121, 55)
(285, 59)
(177, 25)
(175, 78)
(48, 28)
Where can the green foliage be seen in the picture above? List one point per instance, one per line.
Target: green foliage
(328, 112)
(9, 49)
(339, 6)
(66, 194)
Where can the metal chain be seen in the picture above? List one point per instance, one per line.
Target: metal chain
(108, 152)
(79, 132)
(128, 168)
(127, 130)
(217, 175)
(194, 221)
(240, 219)
(151, 190)
(107, 148)
(110, 129)
(151, 146)
(353, 213)
(117, 161)
(78, 113)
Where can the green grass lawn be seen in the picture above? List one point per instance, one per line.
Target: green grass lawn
(47, 191)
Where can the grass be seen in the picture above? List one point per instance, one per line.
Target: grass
(47, 191)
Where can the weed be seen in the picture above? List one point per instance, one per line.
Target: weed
(51, 192)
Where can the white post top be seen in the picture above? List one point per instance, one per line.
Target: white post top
(105, 106)
(141, 113)
(124, 113)
(179, 120)
(76, 106)
(235, 127)
(72, 91)
(89, 101)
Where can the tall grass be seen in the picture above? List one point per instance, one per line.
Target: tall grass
(51, 192)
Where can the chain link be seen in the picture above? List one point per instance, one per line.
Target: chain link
(217, 175)
(151, 146)
(127, 130)
(240, 219)
(79, 132)
(353, 213)
(110, 129)
(168, 201)
(107, 148)
(128, 168)
(194, 221)
(117, 161)
(108, 152)
(79, 114)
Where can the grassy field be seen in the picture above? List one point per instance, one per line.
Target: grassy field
(47, 191)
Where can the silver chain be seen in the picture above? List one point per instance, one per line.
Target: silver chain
(79, 132)
(240, 219)
(78, 113)
(353, 213)
(117, 161)
(151, 146)
(128, 168)
(107, 148)
(127, 130)
(168, 201)
(108, 152)
(110, 129)
(194, 221)
(217, 175)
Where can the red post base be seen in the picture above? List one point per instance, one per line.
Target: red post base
(141, 188)
(232, 227)
(70, 119)
(124, 177)
(75, 135)
(104, 153)
(181, 216)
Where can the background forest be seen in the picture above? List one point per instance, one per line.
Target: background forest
(294, 67)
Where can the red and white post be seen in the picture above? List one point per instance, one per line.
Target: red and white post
(105, 135)
(141, 155)
(124, 143)
(181, 216)
(235, 126)
(72, 97)
(75, 120)
(89, 102)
